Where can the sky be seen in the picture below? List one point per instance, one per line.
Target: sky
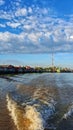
(31, 30)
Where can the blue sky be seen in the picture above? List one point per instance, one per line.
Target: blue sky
(31, 29)
(44, 60)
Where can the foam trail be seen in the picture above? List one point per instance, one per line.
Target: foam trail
(32, 113)
(25, 118)
(69, 113)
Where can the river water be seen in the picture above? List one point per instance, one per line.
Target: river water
(36, 101)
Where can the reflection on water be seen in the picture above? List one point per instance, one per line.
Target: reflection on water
(36, 102)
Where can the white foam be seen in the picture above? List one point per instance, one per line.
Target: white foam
(69, 113)
(35, 112)
(25, 119)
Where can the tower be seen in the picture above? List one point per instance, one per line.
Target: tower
(52, 59)
(52, 49)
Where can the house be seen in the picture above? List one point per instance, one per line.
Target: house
(11, 68)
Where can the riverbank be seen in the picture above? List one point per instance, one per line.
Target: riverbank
(10, 69)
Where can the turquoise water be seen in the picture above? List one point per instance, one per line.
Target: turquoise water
(48, 96)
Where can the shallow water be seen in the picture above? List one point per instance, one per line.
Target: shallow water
(48, 98)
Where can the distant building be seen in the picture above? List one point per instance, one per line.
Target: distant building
(11, 68)
(58, 70)
(27, 67)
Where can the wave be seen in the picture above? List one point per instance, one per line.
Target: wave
(66, 122)
(33, 114)
(25, 118)
(69, 113)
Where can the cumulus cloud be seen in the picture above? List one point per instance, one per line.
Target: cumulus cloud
(21, 12)
(2, 25)
(71, 37)
(13, 25)
(35, 29)
(2, 2)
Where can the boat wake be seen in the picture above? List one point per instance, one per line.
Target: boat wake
(66, 122)
(25, 118)
(37, 110)
(69, 113)
(32, 114)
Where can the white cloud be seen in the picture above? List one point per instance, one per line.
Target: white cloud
(21, 12)
(32, 43)
(39, 29)
(2, 2)
(28, 27)
(13, 25)
(34, 37)
(71, 37)
(4, 37)
(6, 15)
(29, 10)
(2, 25)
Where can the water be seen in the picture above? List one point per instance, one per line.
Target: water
(36, 102)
